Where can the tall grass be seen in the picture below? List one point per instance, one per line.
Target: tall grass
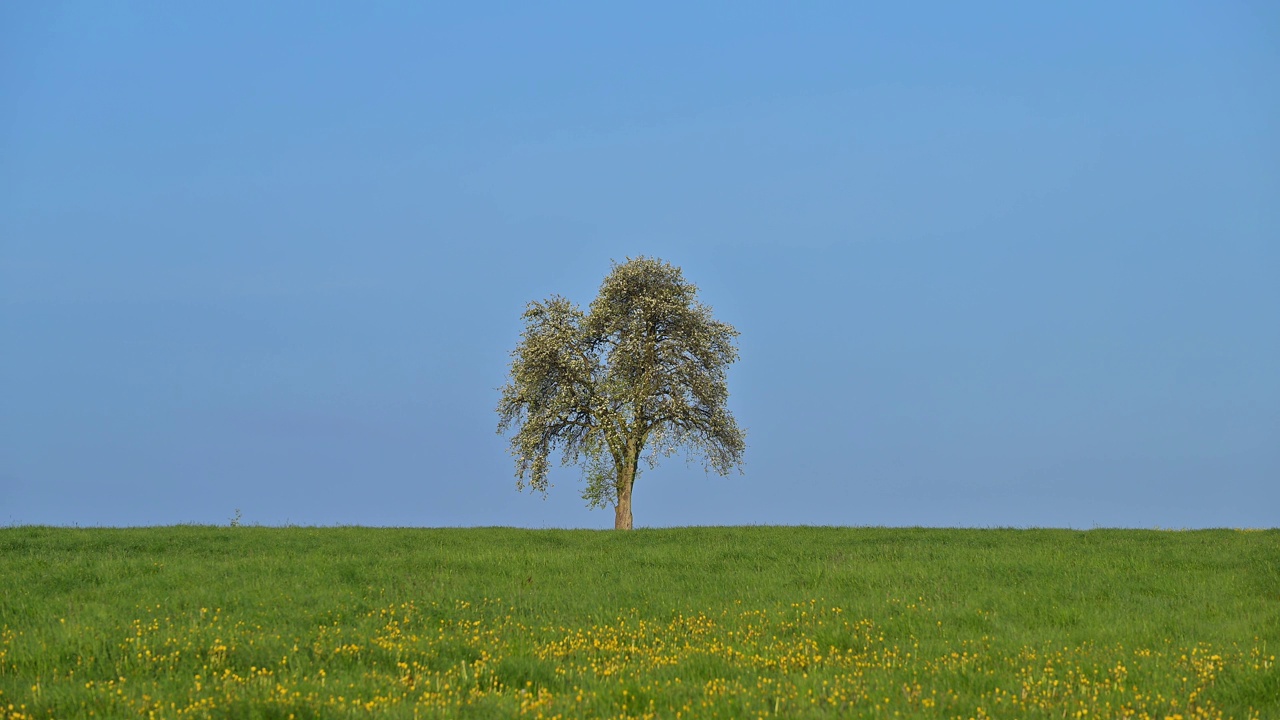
(701, 622)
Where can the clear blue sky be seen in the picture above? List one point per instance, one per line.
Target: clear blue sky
(1004, 264)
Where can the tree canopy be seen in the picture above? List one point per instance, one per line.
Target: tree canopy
(641, 373)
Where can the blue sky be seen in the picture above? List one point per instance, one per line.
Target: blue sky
(994, 264)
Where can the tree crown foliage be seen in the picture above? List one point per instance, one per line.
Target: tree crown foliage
(643, 369)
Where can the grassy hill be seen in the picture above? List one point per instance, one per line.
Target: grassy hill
(250, 622)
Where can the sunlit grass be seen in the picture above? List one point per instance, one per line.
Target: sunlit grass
(703, 622)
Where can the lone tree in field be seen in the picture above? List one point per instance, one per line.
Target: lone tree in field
(642, 370)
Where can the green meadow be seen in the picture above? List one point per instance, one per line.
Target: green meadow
(730, 622)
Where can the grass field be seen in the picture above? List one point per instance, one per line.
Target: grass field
(250, 622)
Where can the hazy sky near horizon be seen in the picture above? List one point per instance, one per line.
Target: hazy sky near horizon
(994, 264)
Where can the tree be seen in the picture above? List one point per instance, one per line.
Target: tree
(642, 370)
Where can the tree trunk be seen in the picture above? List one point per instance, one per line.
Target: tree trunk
(622, 512)
(626, 481)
